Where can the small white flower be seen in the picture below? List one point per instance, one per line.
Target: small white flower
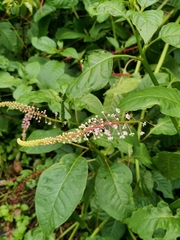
(142, 133)
(117, 110)
(144, 124)
(110, 138)
(128, 117)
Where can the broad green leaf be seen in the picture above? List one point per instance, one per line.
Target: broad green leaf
(49, 74)
(20, 90)
(146, 220)
(147, 22)
(113, 190)
(39, 96)
(111, 102)
(32, 69)
(44, 44)
(168, 163)
(124, 85)
(146, 82)
(113, 42)
(131, 41)
(114, 8)
(163, 126)
(114, 229)
(60, 189)
(7, 81)
(46, 10)
(97, 210)
(91, 103)
(168, 99)
(70, 52)
(62, 3)
(141, 153)
(66, 33)
(96, 72)
(8, 37)
(38, 134)
(170, 33)
(163, 185)
(37, 234)
(146, 3)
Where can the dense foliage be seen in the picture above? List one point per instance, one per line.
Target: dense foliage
(90, 119)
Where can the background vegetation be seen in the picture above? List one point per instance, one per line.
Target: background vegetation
(112, 68)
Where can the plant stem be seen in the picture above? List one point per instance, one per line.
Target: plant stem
(145, 62)
(161, 60)
(115, 37)
(98, 229)
(68, 230)
(131, 233)
(74, 231)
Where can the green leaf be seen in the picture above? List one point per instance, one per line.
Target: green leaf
(91, 103)
(70, 52)
(141, 153)
(170, 33)
(32, 69)
(111, 101)
(163, 185)
(147, 22)
(49, 74)
(168, 163)
(96, 72)
(8, 37)
(44, 44)
(124, 85)
(46, 10)
(20, 90)
(66, 33)
(113, 42)
(59, 190)
(113, 229)
(62, 3)
(114, 8)
(168, 99)
(146, 3)
(7, 81)
(39, 96)
(38, 134)
(146, 220)
(163, 126)
(36, 234)
(113, 190)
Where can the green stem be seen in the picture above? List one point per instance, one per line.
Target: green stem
(98, 229)
(68, 230)
(131, 234)
(115, 37)
(74, 231)
(162, 4)
(145, 62)
(161, 60)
